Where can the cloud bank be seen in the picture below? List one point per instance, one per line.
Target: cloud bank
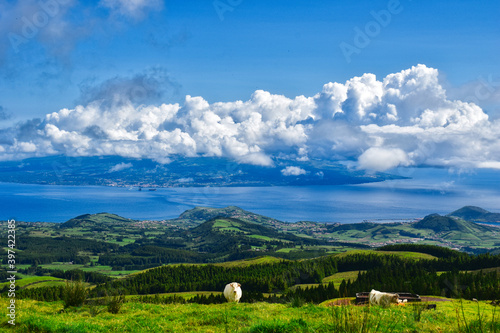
(404, 119)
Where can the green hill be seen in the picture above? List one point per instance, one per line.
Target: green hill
(232, 226)
(439, 223)
(222, 234)
(434, 229)
(96, 220)
(199, 215)
(473, 213)
(231, 233)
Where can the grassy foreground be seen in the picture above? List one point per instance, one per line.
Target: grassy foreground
(33, 316)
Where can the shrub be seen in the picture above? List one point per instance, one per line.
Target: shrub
(417, 309)
(74, 294)
(115, 303)
(296, 301)
(94, 309)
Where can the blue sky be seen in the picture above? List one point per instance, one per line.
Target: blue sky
(285, 47)
(225, 50)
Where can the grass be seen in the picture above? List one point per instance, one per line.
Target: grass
(33, 316)
(48, 283)
(403, 254)
(253, 261)
(33, 280)
(286, 250)
(98, 269)
(262, 237)
(338, 277)
(228, 225)
(186, 294)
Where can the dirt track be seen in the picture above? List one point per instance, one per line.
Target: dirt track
(434, 299)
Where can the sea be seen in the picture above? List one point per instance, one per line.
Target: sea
(425, 191)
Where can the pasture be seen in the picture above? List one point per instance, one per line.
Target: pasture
(402, 254)
(33, 280)
(450, 316)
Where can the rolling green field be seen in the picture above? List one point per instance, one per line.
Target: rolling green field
(116, 246)
(291, 314)
(273, 263)
(454, 316)
(403, 254)
(249, 262)
(338, 277)
(32, 280)
(107, 270)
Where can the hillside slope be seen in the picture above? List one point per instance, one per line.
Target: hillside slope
(473, 213)
(228, 234)
(101, 220)
(439, 223)
(199, 215)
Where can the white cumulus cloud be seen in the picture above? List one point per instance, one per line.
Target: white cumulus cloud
(380, 159)
(120, 167)
(402, 119)
(293, 171)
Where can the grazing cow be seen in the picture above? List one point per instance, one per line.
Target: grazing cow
(383, 299)
(232, 292)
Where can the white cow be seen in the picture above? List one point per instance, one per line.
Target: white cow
(383, 299)
(232, 292)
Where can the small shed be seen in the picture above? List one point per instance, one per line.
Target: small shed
(362, 297)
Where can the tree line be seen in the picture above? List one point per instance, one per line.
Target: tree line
(444, 276)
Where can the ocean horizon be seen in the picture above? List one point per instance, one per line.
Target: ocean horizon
(429, 191)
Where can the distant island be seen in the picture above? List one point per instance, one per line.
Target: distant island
(180, 172)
